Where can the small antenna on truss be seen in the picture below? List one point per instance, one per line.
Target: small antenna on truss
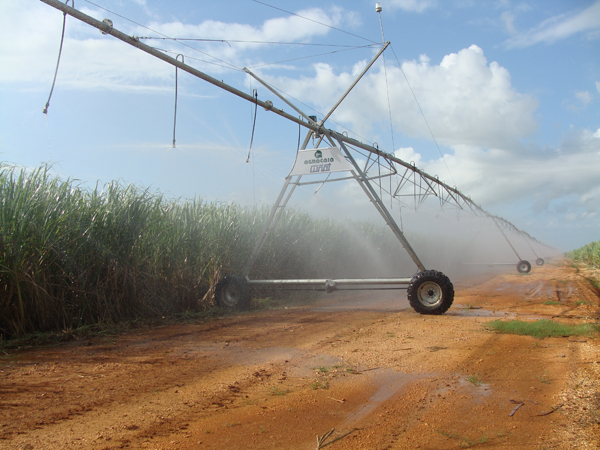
(378, 9)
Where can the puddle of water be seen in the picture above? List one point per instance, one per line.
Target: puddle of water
(464, 311)
(477, 390)
(504, 286)
(389, 383)
(390, 300)
(275, 355)
(313, 363)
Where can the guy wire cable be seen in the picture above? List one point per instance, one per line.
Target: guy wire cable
(62, 38)
(423, 114)
(387, 88)
(231, 66)
(315, 21)
(240, 41)
(310, 56)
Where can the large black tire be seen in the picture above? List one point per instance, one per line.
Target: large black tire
(524, 266)
(430, 292)
(539, 261)
(232, 292)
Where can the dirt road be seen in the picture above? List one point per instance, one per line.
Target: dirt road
(364, 365)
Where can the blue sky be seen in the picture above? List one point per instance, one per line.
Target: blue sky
(509, 89)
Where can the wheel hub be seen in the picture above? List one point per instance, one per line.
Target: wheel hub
(430, 293)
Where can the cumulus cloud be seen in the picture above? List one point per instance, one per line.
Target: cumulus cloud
(560, 27)
(289, 29)
(566, 175)
(409, 155)
(91, 60)
(465, 99)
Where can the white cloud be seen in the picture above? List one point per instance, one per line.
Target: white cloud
(90, 60)
(584, 97)
(409, 155)
(465, 99)
(580, 102)
(508, 18)
(410, 5)
(239, 54)
(289, 29)
(567, 175)
(560, 27)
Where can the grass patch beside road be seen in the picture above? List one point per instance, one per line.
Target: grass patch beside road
(542, 328)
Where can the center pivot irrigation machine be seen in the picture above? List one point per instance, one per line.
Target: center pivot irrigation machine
(335, 158)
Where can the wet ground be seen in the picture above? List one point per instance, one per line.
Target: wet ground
(352, 370)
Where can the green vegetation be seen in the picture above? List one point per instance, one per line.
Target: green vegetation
(588, 254)
(542, 328)
(475, 379)
(466, 442)
(544, 378)
(72, 257)
(276, 391)
(319, 385)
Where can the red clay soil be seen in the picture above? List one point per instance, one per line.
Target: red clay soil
(347, 371)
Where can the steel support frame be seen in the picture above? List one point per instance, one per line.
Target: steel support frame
(329, 284)
(358, 174)
(316, 129)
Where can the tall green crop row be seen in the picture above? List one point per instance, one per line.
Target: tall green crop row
(71, 256)
(588, 254)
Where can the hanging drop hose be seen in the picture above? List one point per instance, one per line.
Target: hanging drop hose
(175, 114)
(62, 38)
(255, 95)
